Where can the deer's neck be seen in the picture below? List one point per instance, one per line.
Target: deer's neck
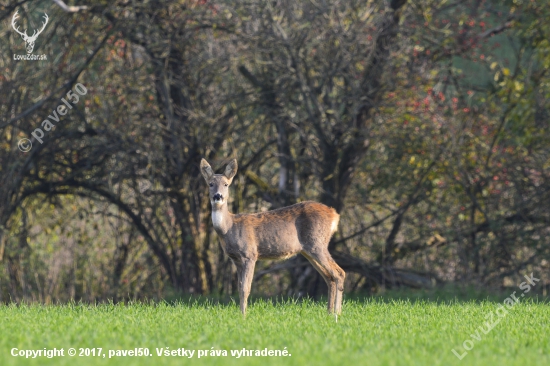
(222, 219)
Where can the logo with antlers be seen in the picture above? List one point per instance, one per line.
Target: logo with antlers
(29, 41)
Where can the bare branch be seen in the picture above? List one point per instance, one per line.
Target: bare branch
(491, 32)
(70, 8)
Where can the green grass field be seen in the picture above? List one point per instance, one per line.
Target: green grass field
(370, 332)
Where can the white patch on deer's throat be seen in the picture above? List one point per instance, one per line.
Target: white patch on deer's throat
(217, 218)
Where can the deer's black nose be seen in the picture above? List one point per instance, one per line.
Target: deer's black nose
(218, 197)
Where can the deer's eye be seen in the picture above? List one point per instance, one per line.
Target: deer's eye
(226, 184)
(211, 184)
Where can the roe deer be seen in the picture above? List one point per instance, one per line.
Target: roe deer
(304, 228)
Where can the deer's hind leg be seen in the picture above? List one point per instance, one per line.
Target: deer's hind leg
(333, 274)
(326, 276)
(339, 286)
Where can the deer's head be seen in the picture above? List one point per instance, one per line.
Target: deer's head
(29, 40)
(219, 183)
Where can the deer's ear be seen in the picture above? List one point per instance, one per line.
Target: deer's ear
(206, 170)
(231, 169)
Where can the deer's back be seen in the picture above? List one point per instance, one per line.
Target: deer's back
(283, 232)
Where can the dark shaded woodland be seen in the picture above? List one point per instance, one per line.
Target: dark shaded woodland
(424, 123)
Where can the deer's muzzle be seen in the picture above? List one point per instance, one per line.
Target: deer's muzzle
(218, 198)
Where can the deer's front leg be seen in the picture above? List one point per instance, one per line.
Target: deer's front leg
(245, 282)
(239, 274)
